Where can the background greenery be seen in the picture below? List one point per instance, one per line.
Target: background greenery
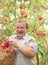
(36, 13)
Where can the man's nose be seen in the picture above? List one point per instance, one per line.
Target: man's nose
(19, 29)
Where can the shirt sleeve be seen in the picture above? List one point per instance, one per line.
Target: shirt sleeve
(32, 43)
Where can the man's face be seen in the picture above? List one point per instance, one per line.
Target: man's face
(21, 29)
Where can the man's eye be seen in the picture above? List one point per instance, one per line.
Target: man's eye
(18, 27)
(21, 27)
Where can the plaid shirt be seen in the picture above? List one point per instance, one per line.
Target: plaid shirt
(27, 41)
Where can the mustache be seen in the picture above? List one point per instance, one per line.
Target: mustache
(20, 32)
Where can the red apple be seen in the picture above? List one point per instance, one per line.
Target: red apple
(43, 33)
(10, 49)
(25, 15)
(40, 18)
(6, 43)
(25, 0)
(22, 13)
(3, 46)
(39, 33)
(0, 46)
(22, 7)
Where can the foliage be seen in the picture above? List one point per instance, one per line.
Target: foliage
(35, 12)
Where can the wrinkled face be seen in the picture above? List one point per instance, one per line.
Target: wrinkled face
(21, 29)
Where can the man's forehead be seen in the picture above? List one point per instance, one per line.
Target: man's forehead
(20, 24)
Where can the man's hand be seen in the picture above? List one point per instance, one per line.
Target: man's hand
(13, 42)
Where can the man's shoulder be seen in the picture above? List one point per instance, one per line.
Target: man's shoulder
(29, 37)
(12, 36)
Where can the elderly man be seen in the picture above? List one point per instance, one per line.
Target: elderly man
(25, 45)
